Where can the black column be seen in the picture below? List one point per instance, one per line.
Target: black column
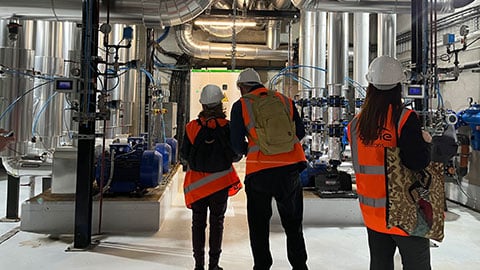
(86, 131)
(46, 183)
(149, 67)
(419, 47)
(13, 196)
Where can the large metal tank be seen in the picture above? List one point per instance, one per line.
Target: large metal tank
(54, 44)
(16, 83)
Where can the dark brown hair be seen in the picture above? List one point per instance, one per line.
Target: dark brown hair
(213, 112)
(374, 112)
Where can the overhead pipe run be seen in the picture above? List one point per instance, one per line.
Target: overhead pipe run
(151, 13)
(392, 6)
(209, 50)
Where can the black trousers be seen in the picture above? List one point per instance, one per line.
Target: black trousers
(415, 251)
(284, 186)
(217, 204)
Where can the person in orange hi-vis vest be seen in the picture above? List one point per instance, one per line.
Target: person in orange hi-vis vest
(207, 189)
(269, 176)
(381, 121)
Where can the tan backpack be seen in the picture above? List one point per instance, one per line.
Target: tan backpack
(273, 124)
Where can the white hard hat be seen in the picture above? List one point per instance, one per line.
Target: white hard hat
(211, 95)
(385, 72)
(249, 75)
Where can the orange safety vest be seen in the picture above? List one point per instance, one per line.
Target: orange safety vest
(198, 185)
(369, 167)
(256, 160)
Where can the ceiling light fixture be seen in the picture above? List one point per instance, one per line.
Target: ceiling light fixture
(217, 22)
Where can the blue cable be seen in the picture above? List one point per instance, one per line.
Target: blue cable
(281, 72)
(164, 34)
(356, 85)
(10, 107)
(289, 74)
(440, 97)
(149, 75)
(43, 77)
(296, 78)
(37, 116)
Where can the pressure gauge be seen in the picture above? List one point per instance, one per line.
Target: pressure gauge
(464, 30)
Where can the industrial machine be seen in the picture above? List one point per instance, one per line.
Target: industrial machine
(129, 168)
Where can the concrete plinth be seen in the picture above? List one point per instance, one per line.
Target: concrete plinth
(55, 213)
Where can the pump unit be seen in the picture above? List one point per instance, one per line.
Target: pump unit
(129, 167)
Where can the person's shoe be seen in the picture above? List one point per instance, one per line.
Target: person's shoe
(199, 268)
(216, 267)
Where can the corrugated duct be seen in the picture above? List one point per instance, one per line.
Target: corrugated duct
(372, 6)
(151, 13)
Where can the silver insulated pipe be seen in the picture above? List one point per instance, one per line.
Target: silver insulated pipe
(387, 35)
(312, 51)
(361, 34)
(207, 50)
(337, 24)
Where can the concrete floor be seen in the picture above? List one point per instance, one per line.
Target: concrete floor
(329, 247)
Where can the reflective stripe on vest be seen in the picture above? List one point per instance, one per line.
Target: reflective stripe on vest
(206, 180)
(253, 148)
(369, 170)
(372, 202)
(400, 122)
(363, 169)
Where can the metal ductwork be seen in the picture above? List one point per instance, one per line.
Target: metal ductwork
(281, 4)
(208, 50)
(370, 6)
(151, 13)
(223, 4)
(221, 31)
